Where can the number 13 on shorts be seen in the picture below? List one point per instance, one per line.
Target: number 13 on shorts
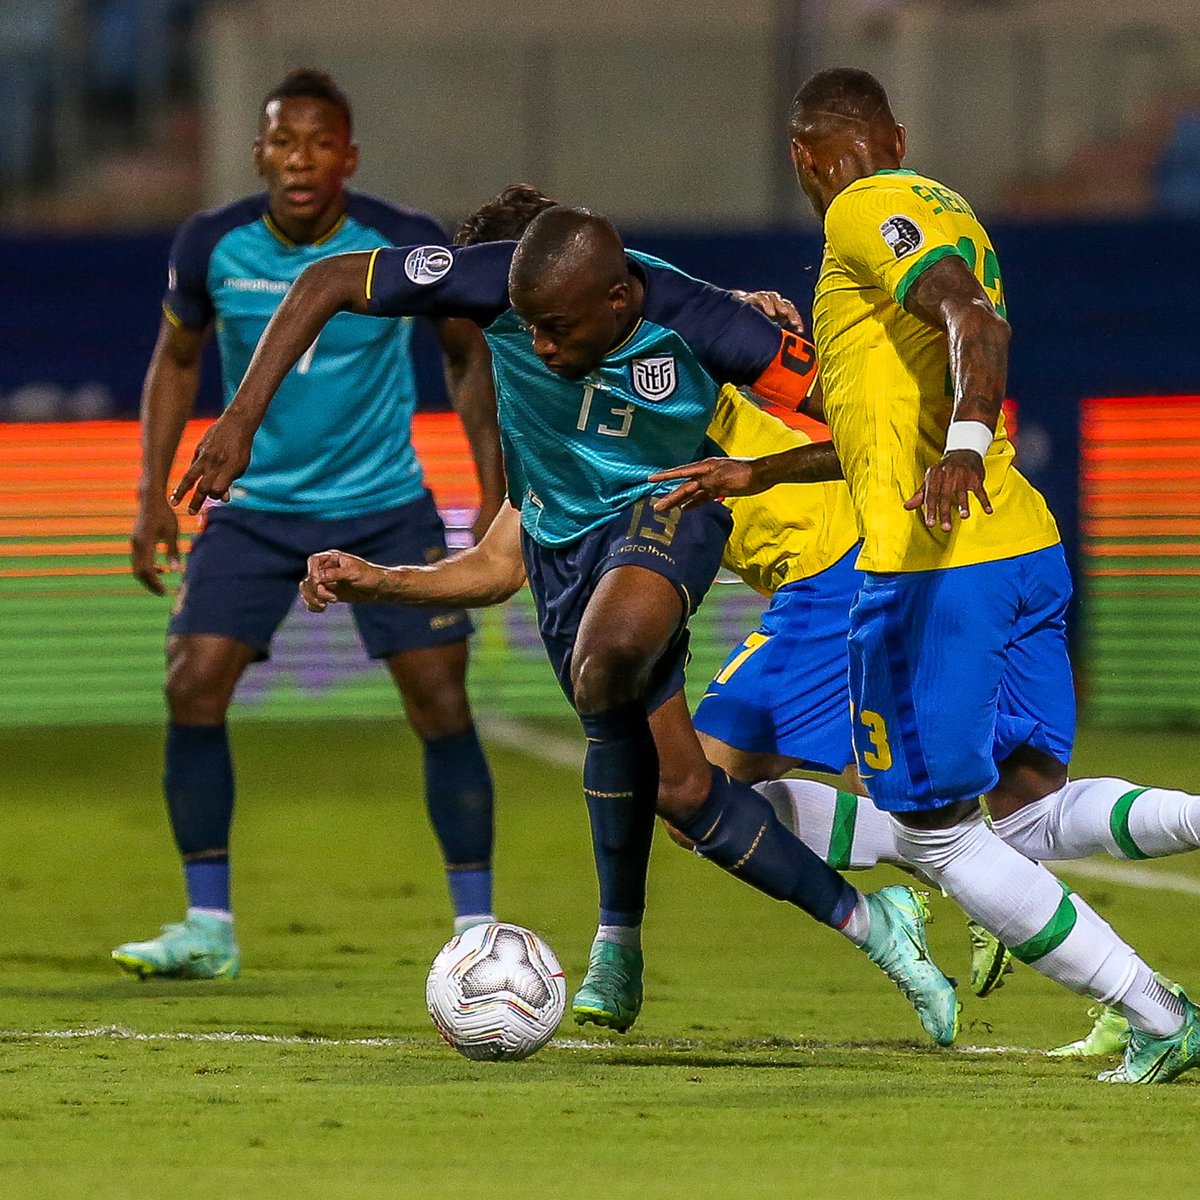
(871, 740)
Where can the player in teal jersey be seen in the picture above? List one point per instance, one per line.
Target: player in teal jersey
(334, 460)
(607, 365)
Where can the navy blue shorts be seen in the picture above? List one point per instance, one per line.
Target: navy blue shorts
(245, 565)
(784, 690)
(684, 548)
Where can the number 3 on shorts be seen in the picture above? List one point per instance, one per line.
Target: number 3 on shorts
(880, 758)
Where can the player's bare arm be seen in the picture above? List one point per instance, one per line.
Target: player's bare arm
(473, 395)
(168, 399)
(948, 296)
(479, 577)
(716, 478)
(334, 285)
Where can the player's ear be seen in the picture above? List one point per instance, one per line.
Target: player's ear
(351, 161)
(258, 156)
(901, 141)
(619, 296)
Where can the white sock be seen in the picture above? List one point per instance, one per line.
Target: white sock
(845, 830)
(222, 914)
(1104, 816)
(858, 927)
(623, 935)
(1148, 1006)
(1056, 933)
(470, 920)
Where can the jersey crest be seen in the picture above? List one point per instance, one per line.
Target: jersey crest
(902, 235)
(654, 378)
(427, 264)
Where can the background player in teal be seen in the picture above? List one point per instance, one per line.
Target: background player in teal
(335, 460)
(607, 367)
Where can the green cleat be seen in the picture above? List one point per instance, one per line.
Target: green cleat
(1159, 1060)
(611, 992)
(991, 960)
(1106, 1037)
(200, 947)
(896, 944)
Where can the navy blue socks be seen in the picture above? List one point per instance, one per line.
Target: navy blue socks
(458, 792)
(737, 829)
(198, 783)
(620, 785)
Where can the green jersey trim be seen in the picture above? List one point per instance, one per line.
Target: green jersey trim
(926, 260)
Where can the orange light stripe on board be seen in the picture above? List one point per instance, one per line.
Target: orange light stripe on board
(77, 481)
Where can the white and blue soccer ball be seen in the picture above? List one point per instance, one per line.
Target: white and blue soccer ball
(496, 992)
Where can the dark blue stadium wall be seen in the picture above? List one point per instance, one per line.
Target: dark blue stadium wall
(1097, 309)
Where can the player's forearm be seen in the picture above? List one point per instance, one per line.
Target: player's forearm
(473, 395)
(978, 342)
(816, 462)
(333, 285)
(168, 400)
(472, 579)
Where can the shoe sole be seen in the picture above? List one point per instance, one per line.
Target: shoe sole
(993, 979)
(146, 970)
(606, 1020)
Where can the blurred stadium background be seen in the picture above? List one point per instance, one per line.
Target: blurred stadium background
(1074, 129)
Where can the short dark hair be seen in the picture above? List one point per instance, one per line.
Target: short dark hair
(505, 217)
(839, 95)
(314, 84)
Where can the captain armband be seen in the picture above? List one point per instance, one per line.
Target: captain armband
(790, 375)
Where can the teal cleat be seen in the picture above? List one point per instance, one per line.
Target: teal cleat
(611, 992)
(1159, 1060)
(991, 960)
(896, 944)
(200, 947)
(1106, 1037)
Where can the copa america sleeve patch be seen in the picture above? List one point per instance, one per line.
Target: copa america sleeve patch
(902, 234)
(427, 264)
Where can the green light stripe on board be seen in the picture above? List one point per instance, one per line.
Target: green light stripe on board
(1118, 822)
(1052, 935)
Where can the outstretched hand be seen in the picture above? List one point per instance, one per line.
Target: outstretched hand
(156, 525)
(709, 479)
(779, 308)
(222, 455)
(948, 488)
(334, 575)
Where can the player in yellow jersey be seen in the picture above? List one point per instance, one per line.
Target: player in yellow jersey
(779, 701)
(959, 680)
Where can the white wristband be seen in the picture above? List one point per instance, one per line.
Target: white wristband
(969, 435)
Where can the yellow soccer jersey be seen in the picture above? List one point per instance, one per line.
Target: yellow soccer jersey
(886, 376)
(791, 532)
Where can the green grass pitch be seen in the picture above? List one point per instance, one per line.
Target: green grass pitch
(770, 1060)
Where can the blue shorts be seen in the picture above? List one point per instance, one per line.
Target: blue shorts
(245, 565)
(951, 671)
(784, 689)
(684, 548)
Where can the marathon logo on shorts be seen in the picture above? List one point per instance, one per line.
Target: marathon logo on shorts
(427, 264)
(654, 379)
(902, 234)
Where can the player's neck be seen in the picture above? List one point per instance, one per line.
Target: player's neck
(857, 163)
(305, 231)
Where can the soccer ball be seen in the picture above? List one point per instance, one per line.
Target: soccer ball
(496, 992)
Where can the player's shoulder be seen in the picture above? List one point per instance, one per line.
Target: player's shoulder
(200, 233)
(397, 223)
(673, 297)
(224, 218)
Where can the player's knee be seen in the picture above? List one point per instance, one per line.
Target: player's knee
(439, 713)
(606, 676)
(195, 696)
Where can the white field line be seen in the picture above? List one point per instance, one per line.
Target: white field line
(552, 748)
(1131, 875)
(119, 1033)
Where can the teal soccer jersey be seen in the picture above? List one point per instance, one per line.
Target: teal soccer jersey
(336, 440)
(578, 452)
